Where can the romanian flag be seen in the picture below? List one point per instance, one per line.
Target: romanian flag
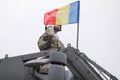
(68, 14)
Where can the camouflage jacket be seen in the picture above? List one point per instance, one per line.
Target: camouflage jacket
(47, 42)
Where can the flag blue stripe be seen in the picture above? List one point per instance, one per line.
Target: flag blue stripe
(74, 13)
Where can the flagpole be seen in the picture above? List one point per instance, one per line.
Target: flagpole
(77, 42)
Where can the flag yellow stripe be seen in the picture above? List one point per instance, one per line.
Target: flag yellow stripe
(62, 15)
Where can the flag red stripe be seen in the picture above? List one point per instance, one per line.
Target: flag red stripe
(50, 17)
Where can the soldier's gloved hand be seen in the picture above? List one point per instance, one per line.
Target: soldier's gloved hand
(46, 38)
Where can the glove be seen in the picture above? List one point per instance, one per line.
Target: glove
(46, 38)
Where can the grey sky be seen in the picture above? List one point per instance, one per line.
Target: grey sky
(21, 24)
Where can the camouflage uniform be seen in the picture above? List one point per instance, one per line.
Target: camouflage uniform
(48, 42)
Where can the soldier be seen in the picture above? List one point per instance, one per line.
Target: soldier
(49, 41)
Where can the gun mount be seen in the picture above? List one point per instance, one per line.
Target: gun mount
(81, 67)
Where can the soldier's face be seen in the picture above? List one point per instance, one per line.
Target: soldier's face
(50, 30)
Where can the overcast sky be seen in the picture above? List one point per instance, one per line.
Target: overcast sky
(21, 24)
